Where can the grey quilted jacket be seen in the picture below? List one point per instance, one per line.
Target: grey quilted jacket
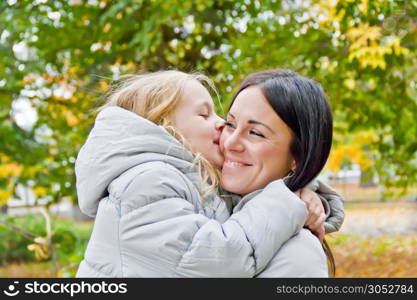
(150, 221)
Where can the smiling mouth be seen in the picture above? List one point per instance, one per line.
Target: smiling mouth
(234, 164)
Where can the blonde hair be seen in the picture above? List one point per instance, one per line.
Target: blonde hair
(155, 96)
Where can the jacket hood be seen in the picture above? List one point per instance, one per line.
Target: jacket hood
(119, 141)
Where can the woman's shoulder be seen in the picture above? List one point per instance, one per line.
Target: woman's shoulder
(304, 245)
(301, 256)
(307, 238)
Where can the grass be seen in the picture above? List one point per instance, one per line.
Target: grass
(384, 256)
(356, 192)
(376, 240)
(32, 270)
(37, 270)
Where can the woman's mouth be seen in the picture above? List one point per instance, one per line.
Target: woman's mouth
(229, 163)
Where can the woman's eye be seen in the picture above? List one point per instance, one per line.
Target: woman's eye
(256, 133)
(228, 124)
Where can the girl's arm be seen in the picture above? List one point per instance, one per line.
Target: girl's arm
(333, 204)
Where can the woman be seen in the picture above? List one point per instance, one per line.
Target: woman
(279, 125)
(135, 177)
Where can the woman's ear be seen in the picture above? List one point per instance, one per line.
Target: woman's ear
(293, 166)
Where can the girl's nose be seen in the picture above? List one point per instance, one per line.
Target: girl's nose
(219, 125)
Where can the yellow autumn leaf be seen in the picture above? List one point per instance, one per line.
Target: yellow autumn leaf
(352, 153)
(41, 251)
(363, 6)
(103, 85)
(367, 47)
(398, 50)
(131, 66)
(10, 169)
(365, 138)
(328, 12)
(5, 196)
(106, 27)
(39, 191)
(362, 34)
(71, 119)
(349, 83)
(31, 171)
(4, 158)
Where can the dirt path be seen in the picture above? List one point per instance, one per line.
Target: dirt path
(376, 219)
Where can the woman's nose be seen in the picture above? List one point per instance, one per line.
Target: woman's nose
(233, 142)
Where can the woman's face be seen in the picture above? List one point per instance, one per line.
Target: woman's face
(255, 144)
(197, 121)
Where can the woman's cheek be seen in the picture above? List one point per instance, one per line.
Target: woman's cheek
(223, 136)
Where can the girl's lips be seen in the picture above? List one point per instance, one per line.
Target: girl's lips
(216, 140)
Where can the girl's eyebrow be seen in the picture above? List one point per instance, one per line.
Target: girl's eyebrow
(254, 122)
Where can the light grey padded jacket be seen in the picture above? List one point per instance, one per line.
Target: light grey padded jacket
(140, 185)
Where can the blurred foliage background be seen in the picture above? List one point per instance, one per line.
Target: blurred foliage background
(58, 58)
